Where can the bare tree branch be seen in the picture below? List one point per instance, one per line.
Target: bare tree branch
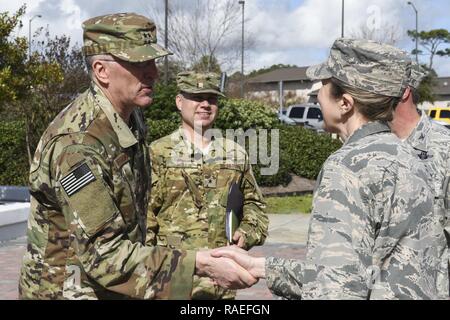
(199, 28)
(389, 34)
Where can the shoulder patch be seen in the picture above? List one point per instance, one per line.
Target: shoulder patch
(77, 179)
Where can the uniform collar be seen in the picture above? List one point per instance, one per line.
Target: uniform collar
(417, 138)
(368, 129)
(124, 134)
(181, 136)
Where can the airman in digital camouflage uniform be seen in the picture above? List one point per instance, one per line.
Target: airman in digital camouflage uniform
(431, 145)
(373, 233)
(90, 181)
(191, 181)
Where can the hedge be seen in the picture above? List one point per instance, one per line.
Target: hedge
(302, 151)
(14, 165)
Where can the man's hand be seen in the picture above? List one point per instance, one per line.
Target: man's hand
(223, 271)
(239, 239)
(255, 266)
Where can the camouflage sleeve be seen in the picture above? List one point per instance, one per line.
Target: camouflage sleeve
(255, 221)
(284, 277)
(156, 199)
(340, 242)
(98, 227)
(446, 195)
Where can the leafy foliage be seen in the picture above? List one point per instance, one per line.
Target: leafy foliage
(14, 166)
(425, 89)
(245, 114)
(207, 64)
(273, 67)
(163, 106)
(431, 41)
(302, 151)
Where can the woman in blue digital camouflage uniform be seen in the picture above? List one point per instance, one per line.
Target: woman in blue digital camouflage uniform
(373, 234)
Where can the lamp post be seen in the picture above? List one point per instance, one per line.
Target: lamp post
(342, 26)
(242, 50)
(29, 34)
(166, 44)
(417, 29)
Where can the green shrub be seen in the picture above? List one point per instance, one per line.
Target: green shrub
(304, 151)
(245, 114)
(160, 128)
(14, 165)
(163, 106)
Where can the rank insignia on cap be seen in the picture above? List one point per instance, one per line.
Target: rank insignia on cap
(200, 85)
(77, 179)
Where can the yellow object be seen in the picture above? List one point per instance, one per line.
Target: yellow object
(440, 114)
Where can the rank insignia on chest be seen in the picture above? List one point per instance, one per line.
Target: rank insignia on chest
(423, 155)
(210, 182)
(77, 179)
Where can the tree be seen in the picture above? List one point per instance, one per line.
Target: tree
(431, 41)
(389, 34)
(21, 78)
(13, 64)
(273, 67)
(53, 95)
(174, 68)
(426, 87)
(202, 28)
(34, 90)
(207, 64)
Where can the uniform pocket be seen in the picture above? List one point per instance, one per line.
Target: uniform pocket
(92, 205)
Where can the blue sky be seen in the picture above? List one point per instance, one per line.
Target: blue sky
(282, 31)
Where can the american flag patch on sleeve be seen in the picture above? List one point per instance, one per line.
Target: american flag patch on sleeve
(77, 179)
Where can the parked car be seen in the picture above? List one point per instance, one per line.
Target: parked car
(440, 115)
(308, 115)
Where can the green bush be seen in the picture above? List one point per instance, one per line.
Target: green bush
(14, 165)
(245, 114)
(163, 106)
(304, 151)
(160, 128)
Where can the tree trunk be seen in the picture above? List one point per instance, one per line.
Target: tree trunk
(27, 140)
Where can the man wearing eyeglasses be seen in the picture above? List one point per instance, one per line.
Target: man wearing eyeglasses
(90, 183)
(193, 170)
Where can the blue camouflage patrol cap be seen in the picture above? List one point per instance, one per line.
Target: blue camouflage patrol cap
(370, 66)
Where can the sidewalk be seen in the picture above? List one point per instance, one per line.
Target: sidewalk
(287, 239)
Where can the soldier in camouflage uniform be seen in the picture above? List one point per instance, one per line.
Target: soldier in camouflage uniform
(191, 180)
(430, 142)
(373, 233)
(90, 182)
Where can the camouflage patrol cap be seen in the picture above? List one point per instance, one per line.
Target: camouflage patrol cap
(193, 82)
(369, 66)
(127, 36)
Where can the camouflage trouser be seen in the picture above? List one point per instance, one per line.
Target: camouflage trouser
(204, 289)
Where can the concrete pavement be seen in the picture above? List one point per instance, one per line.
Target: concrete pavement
(287, 239)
